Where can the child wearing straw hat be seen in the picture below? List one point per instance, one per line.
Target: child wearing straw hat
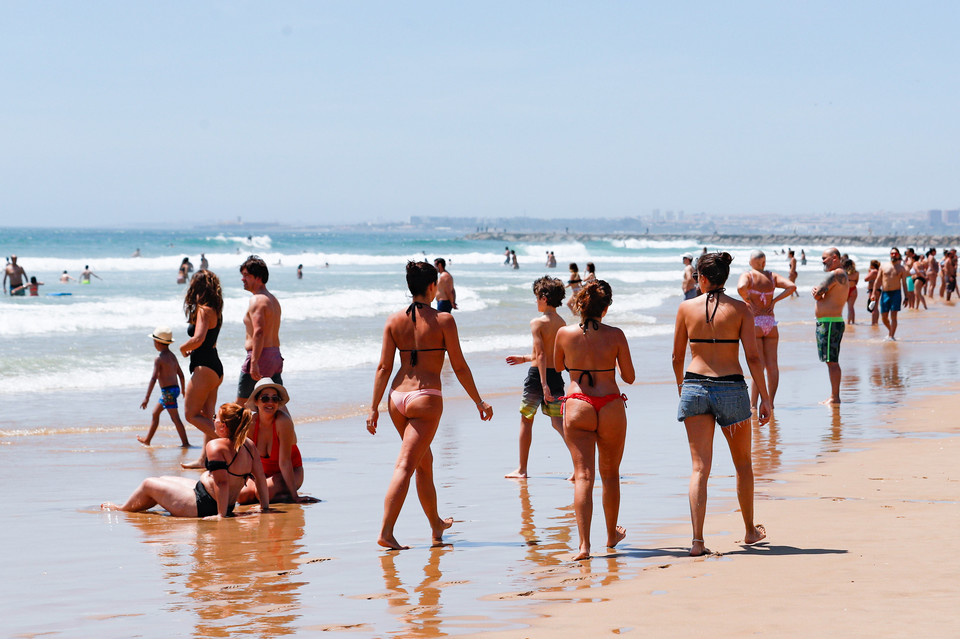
(166, 369)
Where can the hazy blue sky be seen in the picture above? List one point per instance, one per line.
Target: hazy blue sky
(319, 112)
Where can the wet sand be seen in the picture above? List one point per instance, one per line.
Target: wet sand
(316, 567)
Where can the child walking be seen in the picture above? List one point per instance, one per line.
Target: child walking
(166, 369)
(543, 387)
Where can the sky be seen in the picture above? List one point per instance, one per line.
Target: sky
(322, 112)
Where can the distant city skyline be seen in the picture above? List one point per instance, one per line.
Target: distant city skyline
(322, 113)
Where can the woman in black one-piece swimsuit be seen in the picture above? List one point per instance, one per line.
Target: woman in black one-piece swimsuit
(203, 307)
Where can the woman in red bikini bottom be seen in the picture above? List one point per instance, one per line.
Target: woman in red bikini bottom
(594, 413)
(422, 335)
(713, 391)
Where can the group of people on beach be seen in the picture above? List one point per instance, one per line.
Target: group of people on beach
(250, 448)
(19, 284)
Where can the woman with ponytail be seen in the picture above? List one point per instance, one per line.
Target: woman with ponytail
(594, 413)
(421, 335)
(231, 459)
(713, 391)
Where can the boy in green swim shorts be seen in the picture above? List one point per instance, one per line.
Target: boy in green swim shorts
(543, 386)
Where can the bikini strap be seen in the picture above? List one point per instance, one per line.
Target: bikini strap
(412, 312)
(714, 294)
(589, 322)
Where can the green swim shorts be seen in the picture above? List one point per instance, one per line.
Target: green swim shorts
(829, 334)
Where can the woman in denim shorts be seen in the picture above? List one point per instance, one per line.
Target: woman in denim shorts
(713, 391)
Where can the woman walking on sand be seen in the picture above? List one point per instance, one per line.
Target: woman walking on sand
(870, 279)
(757, 288)
(713, 391)
(422, 335)
(853, 276)
(203, 307)
(594, 412)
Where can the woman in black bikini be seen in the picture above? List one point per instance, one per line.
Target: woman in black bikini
(713, 391)
(594, 412)
(422, 335)
(203, 307)
(231, 459)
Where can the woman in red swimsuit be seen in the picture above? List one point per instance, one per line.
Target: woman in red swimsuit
(422, 335)
(594, 413)
(276, 441)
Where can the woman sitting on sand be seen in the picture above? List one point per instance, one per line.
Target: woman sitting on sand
(203, 307)
(757, 287)
(276, 441)
(421, 334)
(231, 459)
(594, 411)
(713, 391)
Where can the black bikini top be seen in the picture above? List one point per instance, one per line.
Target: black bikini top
(584, 325)
(219, 464)
(714, 294)
(587, 323)
(412, 312)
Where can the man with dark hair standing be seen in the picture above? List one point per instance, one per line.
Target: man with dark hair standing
(262, 323)
(831, 297)
(446, 295)
(890, 289)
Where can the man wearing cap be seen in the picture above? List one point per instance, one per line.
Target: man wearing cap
(262, 323)
(689, 284)
(18, 277)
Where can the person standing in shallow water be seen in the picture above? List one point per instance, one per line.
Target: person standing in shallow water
(757, 287)
(422, 335)
(831, 296)
(713, 391)
(594, 412)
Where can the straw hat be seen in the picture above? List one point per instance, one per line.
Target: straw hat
(162, 334)
(266, 382)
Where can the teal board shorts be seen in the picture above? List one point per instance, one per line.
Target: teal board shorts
(829, 334)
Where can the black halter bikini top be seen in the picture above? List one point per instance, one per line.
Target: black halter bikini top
(219, 464)
(715, 295)
(412, 312)
(589, 371)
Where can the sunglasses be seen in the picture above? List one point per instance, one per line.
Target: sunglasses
(271, 399)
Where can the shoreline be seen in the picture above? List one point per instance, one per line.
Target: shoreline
(730, 239)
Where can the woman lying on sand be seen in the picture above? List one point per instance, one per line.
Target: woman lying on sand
(231, 459)
(594, 413)
(421, 334)
(713, 391)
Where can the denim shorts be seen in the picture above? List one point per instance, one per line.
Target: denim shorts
(727, 399)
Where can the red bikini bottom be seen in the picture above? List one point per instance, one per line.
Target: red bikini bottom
(596, 401)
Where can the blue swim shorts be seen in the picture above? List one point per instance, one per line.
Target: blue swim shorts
(168, 396)
(890, 301)
(726, 398)
(444, 306)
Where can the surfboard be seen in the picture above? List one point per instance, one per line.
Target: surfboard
(58, 294)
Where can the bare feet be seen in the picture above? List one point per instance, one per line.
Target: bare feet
(197, 465)
(517, 474)
(758, 533)
(391, 543)
(698, 549)
(143, 440)
(438, 532)
(621, 532)
(109, 505)
(583, 554)
(830, 401)
(571, 477)
(184, 444)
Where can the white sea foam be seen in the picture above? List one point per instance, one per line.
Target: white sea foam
(261, 242)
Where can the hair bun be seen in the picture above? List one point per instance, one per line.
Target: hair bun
(726, 258)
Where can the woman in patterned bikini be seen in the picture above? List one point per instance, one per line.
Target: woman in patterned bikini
(757, 288)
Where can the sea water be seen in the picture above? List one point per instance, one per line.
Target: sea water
(84, 359)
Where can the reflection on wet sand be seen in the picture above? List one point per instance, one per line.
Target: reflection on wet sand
(766, 448)
(422, 618)
(239, 573)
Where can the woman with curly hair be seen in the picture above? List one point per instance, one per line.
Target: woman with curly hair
(713, 391)
(594, 412)
(203, 308)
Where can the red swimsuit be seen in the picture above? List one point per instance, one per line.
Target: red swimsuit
(271, 464)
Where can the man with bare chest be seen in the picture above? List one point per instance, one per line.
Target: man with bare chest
(831, 296)
(262, 323)
(890, 289)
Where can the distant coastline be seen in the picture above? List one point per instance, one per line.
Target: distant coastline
(725, 239)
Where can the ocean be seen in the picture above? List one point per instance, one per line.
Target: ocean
(64, 352)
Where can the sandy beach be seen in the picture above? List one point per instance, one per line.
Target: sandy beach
(857, 502)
